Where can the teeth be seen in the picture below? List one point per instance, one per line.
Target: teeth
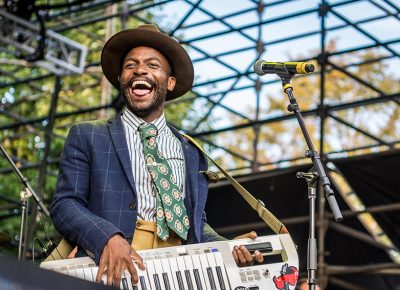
(145, 83)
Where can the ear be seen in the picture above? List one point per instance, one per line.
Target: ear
(171, 83)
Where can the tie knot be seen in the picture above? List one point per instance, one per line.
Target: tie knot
(147, 130)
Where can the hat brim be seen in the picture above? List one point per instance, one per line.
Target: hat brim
(118, 46)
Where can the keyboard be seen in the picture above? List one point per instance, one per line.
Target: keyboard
(206, 266)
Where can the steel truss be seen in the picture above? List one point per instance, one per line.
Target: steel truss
(63, 56)
(215, 93)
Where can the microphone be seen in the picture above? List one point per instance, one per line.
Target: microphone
(262, 67)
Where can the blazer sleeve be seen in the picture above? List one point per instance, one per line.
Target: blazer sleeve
(209, 235)
(69, 211)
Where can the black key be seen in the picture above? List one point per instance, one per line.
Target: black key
(180, 280)
(220, 278)
(197, 278)
(189, 280)
(125, 284)
(157, 282)
(211, 278)
(143, 283)
(166, 281)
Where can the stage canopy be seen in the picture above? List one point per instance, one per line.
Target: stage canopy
(349, 256)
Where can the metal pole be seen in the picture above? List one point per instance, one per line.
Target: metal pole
(43, 167)
(322, 226)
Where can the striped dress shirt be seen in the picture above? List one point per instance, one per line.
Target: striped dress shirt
(171, 148)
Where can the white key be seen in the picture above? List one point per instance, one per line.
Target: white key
(159, 271)
(150, 272)
(87, 273)
(79, 272)
(174, 268)
(71, 272)
(143, 278)
(181, 269)
(204, 265)
(213, 264)
(167, 269)
(94, 274)
(220, 262)
(189, 267)
(126, 281)
(197, 265)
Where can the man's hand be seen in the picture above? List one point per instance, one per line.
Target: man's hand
(116, 257)
(242, 256)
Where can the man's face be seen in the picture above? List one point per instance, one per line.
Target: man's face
(144, 81)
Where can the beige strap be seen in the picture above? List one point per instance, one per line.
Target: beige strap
(256, 204)
(63, 249)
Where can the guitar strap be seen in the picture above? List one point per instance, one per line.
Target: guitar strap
(272, 221)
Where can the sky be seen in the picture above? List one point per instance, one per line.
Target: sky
(208, 69)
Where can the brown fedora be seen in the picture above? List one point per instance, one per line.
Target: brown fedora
(118, 46)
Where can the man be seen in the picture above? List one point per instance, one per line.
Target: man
(113, 194)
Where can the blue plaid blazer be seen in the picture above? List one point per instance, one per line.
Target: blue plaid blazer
(95, 195)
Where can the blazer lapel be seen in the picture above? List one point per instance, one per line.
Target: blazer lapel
(191, 183)
(121, 148)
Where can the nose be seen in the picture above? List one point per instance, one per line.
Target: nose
(140, 69)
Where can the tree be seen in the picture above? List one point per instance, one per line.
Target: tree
(284, 140)
(27, 144)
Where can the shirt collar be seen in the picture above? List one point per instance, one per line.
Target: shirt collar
(134, 121)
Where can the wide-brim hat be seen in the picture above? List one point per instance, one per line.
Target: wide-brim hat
(118, 46)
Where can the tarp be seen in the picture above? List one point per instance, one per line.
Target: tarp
(375, 178)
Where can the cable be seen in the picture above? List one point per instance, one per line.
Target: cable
(48, 249)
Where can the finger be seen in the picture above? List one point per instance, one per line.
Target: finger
(258, 256)
(73, 253)
(247, 255)
(100, 271)
(253, 235)
(235, 256)
(117, 276)
(241, 258)
(133, 272)
(110, 276)
(138, 260)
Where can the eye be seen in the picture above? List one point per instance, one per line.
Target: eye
(130, 65)
(153, 65)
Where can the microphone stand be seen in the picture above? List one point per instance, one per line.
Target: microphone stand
(315, 175)
(26, 193)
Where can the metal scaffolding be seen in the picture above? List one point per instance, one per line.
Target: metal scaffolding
(224, 40)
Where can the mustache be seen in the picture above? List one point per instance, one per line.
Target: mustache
(133, 79)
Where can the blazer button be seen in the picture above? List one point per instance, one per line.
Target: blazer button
(132, 206)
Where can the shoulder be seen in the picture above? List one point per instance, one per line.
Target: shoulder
(186, 143)
(90, 127)
(190, 149)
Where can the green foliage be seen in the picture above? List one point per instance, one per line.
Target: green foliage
(32, 100)
(284, 140)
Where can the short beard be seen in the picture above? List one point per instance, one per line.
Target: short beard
(156, 103)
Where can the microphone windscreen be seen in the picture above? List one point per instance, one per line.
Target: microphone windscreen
(258, 67)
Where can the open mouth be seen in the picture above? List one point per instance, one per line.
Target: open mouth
(141, 88)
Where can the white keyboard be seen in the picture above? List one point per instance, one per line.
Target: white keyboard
(207, 266)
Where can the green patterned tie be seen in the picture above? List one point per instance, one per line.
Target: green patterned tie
(171, 211)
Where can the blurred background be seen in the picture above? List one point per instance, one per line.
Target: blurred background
(50, 78)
